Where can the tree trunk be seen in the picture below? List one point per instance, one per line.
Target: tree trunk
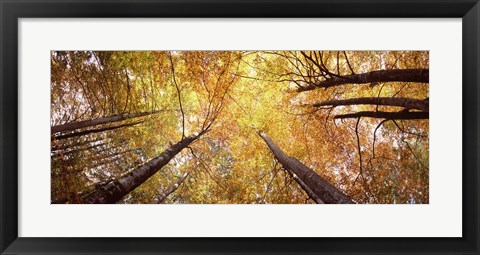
(74, 144)
(408, 103)
(66, 152)
(323, 190)
(311, 194)
(88, 123)
(171, 189)
(402, 115)
(97, 130)
(114, 190)
(393, 75)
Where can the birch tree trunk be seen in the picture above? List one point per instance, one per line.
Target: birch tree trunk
(88, 123)
(97, 130)
(322, 189)
(112, 191)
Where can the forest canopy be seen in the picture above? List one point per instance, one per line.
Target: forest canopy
(239, 127)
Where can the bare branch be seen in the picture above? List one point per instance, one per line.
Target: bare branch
(408, 103)
(179, 96)
(394, 75)
(402, 115)
(348, 62)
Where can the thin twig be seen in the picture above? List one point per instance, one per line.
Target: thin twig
(179, 96)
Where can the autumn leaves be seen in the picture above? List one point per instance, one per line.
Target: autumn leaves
(181, 127)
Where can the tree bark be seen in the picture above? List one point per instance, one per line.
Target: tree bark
(408, 103)
(58, 153)
(114, 190)
(74, 145)
(393, 75)
(325, 191)
(311, 194)
(172, 189)
(97, 130)
(402, 115)
(88, 123)
(94, 162)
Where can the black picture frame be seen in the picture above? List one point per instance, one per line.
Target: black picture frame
(11, 11)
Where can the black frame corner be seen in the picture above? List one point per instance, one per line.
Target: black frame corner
(11, 11)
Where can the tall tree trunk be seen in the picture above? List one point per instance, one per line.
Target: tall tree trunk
(323, 190)
(393, 75)
(97, 130)
(109, 158)
(408, 103)
(58, 153)
(311, 194)
(56, 147)
(171, 189)
(114, 190)
(88, 123)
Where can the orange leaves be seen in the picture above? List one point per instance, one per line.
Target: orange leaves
(234, 94)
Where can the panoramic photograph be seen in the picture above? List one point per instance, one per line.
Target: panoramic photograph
(239, 127)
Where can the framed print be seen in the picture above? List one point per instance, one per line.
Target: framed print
(226, 127)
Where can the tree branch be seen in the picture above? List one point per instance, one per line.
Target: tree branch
(402, 115)
(89, 131)
(348, 62)
(393, 75)
(179, 96)
(408, 103)
(172, 188)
